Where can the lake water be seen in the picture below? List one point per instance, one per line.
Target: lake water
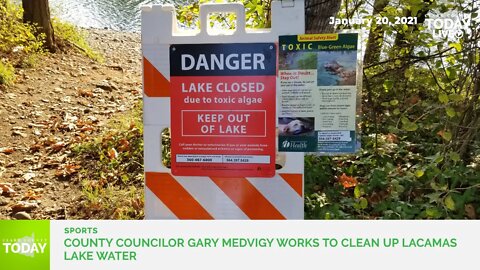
(113, 14)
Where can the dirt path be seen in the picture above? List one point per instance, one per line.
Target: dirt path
(63, 100)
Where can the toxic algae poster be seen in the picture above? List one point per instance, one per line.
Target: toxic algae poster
(319, 78)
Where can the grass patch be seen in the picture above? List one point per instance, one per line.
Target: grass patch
(111, 177)
(7, 73)
(68, 34)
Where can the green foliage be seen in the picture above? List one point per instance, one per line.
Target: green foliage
(19, 47)
(397, 182)
(69, 34)
(16, 36)
(7, 73)
(421, 141)
(257, 14)
(166, 148)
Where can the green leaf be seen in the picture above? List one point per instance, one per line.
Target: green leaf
(443, 98)
(419, 173)
(454, 156)
(387, 85)
(451, 112)
(457, 46)
(433, 213)
(259, 9)
(394, 102)
(455, 97)
(396, 111)
(409, 126)
(358, 192)
(447, 136)
(449, 203)
(363, 203)
(438, 159)
(451, 73)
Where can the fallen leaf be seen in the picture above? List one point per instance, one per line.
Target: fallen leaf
(24, 206)
(85, 93)
(71, 169)
(347, 181)
(49, 141)
(28, 176)
(7, 150)
(36, 125)
(414, 99)
(11, 164)
(92, 118)
(470, 211)
(6, 188)
(112, 153)
(86, 128)
(67, 126)
(132, 125)
(58, 146)
(391, 138)
(36, 147)
(15, 132)
(67, 170)
(124, 145)
(31, 195)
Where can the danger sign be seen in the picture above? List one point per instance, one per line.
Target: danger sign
(223, 109)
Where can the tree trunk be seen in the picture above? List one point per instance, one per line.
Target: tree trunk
(318, 13)
(375, 37)
(37, 12)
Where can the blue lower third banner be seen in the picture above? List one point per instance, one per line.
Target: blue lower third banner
(43, 245)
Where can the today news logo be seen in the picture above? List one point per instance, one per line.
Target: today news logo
(25, 244)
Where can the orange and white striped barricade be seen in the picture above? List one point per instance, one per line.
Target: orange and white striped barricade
(169, 196)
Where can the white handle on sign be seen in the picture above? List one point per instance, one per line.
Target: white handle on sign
(236, 8)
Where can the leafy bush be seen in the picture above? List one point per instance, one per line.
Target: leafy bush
(16, 36)
(7, 73)
(397, 181)
(18, 44)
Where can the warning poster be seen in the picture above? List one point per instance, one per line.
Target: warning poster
(318, 76)
(223, 109)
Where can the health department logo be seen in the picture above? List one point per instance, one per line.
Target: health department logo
(294, 145)
(25, 244)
